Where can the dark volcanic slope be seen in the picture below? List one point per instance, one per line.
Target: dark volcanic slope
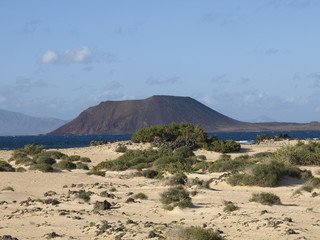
(121, 117)
(116, 117)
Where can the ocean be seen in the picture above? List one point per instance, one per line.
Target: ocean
(71, 141)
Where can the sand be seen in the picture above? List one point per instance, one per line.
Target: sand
(24, 216)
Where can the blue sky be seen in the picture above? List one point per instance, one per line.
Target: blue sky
(248, 59)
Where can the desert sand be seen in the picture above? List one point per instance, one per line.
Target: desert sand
(23, 216)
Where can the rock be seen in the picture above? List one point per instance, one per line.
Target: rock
(98, 206)
(263, 212)
(153, 234)
(8, 237)
(119, 237)
(291, 231)
(107, 195)
(52, 235)
(51, 201)
(130, 200)
(287, 219)
(50, 193)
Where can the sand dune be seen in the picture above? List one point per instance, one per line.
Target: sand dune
(24, 216)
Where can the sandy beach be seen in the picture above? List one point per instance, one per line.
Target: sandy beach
(25, 214)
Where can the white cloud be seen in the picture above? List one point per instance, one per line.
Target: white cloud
(82, 55)
(49, 57)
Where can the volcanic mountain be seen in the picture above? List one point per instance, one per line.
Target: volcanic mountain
(125, 117)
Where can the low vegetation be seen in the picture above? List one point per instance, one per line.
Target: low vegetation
(140, 196)
(6, 167)
(300, 154)
(184, 134)
(265, 198)
(193, 233)
(229, 206)
(176, 197)
(267, 174)
(37, 158)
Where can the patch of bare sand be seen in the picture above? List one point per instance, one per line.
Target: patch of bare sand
(24, 216)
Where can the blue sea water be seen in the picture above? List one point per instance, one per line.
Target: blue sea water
(70, 141)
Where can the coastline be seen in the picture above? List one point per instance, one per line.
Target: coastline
(139, 218)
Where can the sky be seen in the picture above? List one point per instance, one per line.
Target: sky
(252, 60)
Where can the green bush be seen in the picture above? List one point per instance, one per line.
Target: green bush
(74, 158)
(45, 159)
(26, 161)
(193, 233)
(300, 154)
(97, 173)
(178, 178)
(121, 148)
(141, 196)
(64, 165)
(8, 189)
(265, 175)
(30, 149)
(265, 198)
(224, 146)
(227, 164)
(85, 196)
(229, 206)
(21, 169)
(85, 159)
(81, 165)
(176, 196)
(174, 164)
(6, 167)
(149, 173)
(43, 167)
(199, 183)
(183, 152)
(184, 133)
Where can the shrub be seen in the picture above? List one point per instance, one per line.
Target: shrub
(85, 159)
(43, 167)
(178, 178)
(74, 158)
(186, 133)
(174, 164)
(300, 154)
(176, 196)
(81, 165)
(85, 196)
(224, 146)
(45, 159)
(184, 152)
(141, 196)
(113, 189)
(148, 173)
(64, 165)
(265, 175)
(121, 148)
(26, 161)
(265, 198)
(6, 167)
(202, 157)
(227, 164)
(193, 233)
(21, 169)
(8, 189)
(203, 166)
(30, 149)
(97, 173)
(199, 183)
(229, 206)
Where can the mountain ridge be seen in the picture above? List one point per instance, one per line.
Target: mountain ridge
(18, 124)
(128, 116)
